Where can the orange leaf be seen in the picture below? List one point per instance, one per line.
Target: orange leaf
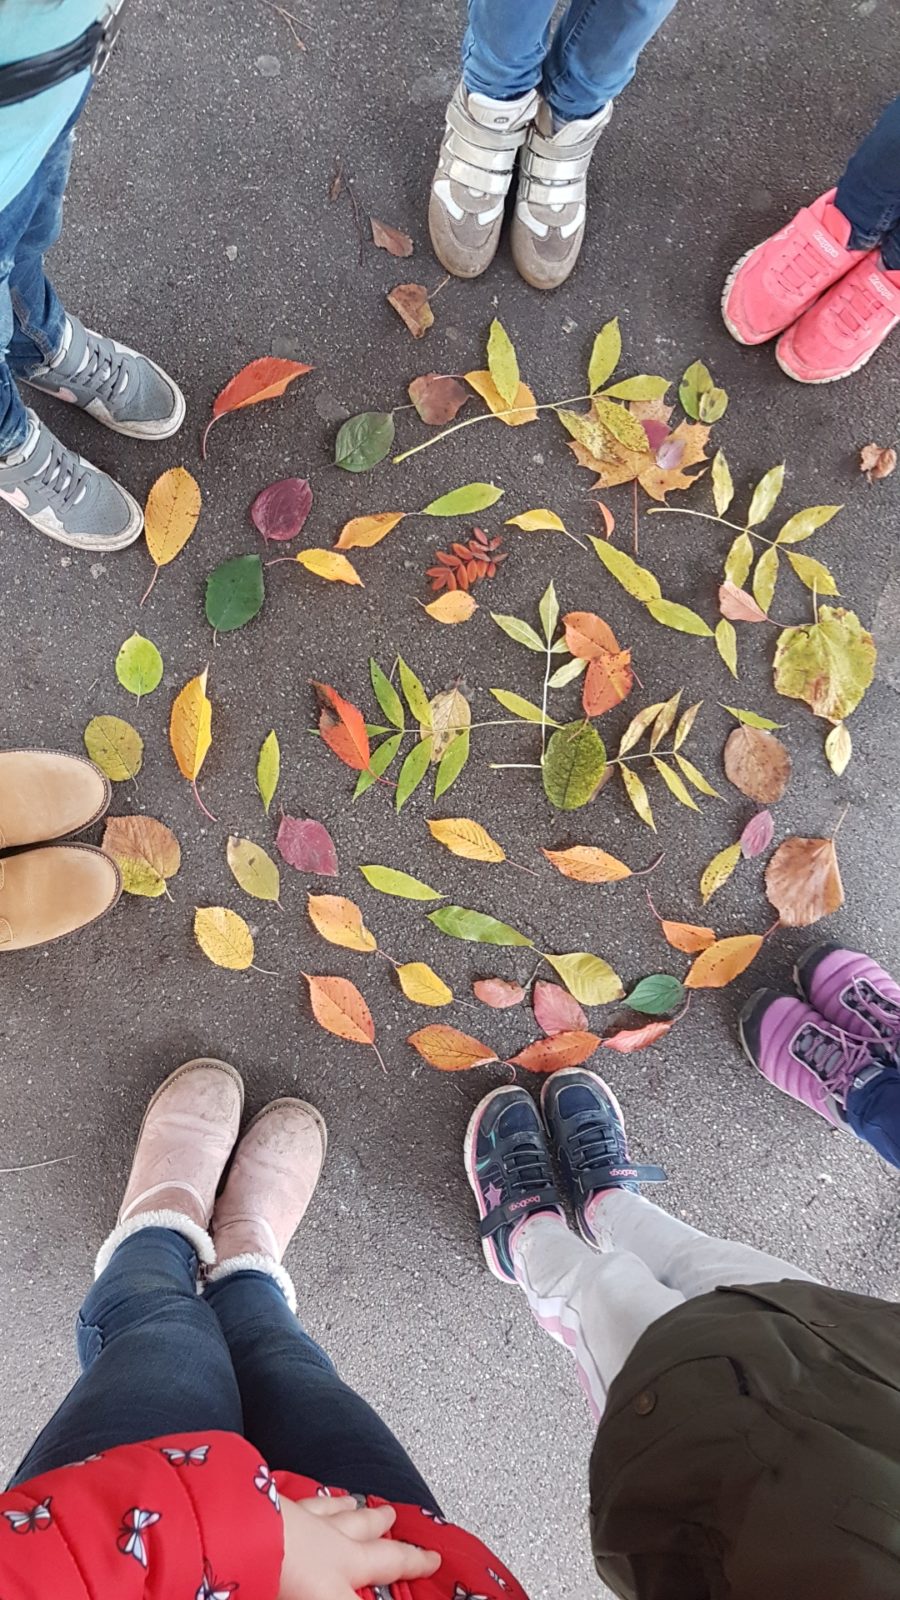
(631, 1039)
(803, 881)
(723, 961)
(588, 636)
(450, 1050)
(687, 936)
(563, 1050)
(260, 380)
(339, 1008)
(343, 728)
(360, 533)
(586, 864)
(514, 416)
(607, 682)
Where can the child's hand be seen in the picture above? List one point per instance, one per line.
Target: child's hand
(332, 1549)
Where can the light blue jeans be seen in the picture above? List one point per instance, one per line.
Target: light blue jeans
(591, 56)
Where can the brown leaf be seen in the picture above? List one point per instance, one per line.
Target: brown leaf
(562, 1050)
(450, 1050)
(498, 993)
(687, 936)
(146, 851)
(720, 963)
(757, 763)
(555, 1010)
(588, 636)
(607, 682)
(877, 461)
(390, 239)
(259, 380)
(437, 398)
(739, 606)
(410, 301)
(630, 1039)
(803, 881)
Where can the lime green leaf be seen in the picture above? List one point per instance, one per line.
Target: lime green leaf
(234, 593)
(674, 784)
(115, 747)
(696, 777)
(462, 502)
(829, 664)
(268, 768)
(642, 387)
(765, 495)
(139, 666)
(605, 354)
(839, 749)
(502, 364)
(548, 610)
(363, 441)
(697, 381)
(803, 523)
(566, 673)
(726, 644)
(719, 871)
(526, 709)
(713, 405)
(588, 978)
(765, 578)
(723, 484)
(416, 698)
(656, 995)
(752, 718)
(681, 618)
(379, 761)
(813, 574)
(739, 560)
(412, 772)
(461, 923)
(574, 763)
(637, 794)
(622, 424)
(522, 632)
(386, 695)
(451, 763)
(388, 881)
(636, 581)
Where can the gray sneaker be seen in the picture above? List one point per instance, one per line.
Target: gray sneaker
(65, 496)
(124, 390)
(474, 171)
(551, 204)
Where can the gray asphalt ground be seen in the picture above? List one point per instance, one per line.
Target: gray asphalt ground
(198, 228)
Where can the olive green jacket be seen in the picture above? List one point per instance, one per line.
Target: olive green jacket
(750, 1450)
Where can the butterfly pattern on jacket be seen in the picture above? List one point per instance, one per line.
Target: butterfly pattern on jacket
(496, 1578)
(131, 1536)
(37, 1520)
(211, 1589)
(435, 1517)
(265, 1483)
(459, 1593)
(186, 1458)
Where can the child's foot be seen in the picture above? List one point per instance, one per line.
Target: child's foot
(121, 388)
(773, 284)
(805, 1055)
(852, 991)
(66, 497)
(551, 203)
(510, 1171)
(474, 171)
(842, 331)
(587, 1132)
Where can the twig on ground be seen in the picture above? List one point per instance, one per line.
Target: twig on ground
(288, 17)
(33, 1166)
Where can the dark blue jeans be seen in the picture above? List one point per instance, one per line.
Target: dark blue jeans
(157, 1359)
(873, 1112)
(869, 192)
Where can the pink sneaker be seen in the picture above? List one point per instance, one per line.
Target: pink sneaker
(852, 991)
(773, 284)
(842, 331)
(805, 1055)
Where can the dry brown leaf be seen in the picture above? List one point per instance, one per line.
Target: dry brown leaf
(390, 239)
(720, 963)
(410, 301)
(739, 606)
(877, 461)
(561, 1050)
(803, 881)
(587, 864)
(437, 397)
(757, 763)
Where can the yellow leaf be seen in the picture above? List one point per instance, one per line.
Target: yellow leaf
(723, 485)
(589, 978)
(537, 522)
(685, 724)
(190, 727)
(839, 749)
(726, 644)
(502, 363)
(696, 777)
(765, 578)
(455, 605)
(723, 961)
(256, 872)
(813, 574)
(170, 516)
(329, 564)
(585, 863)
(635, 580)
(224, 937)
(449, 713)
(514, 417)
(675, 784)
(423, 986)
(115, 747)
(638, 726)
(340, 922)
(719, 871)
(739, 560)
(665, 720)
(681, 618)
(360, 533)
(463, 837)
(638, 796)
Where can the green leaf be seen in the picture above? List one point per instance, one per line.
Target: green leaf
(589, 978)
(526, 709)
(389, 881)
(139, 666)
(522, 632)
(363, 441)
(268, 768)
(765, 578)
(829, 664)
(697, 381)
(412, 772)
(656, 995)
(636, 581)
(637, 794)
(386, 695)
(722, 482)
(461, 502)
(674, 784)
(681, 618)
(566, 673)
(739, 560)
(605, 354)
(751, 718)
(695, 776)
(451, 763)
(502, 364)
(115, 747)
(235, 592)
(574, 763)
(713, 405)
(803, 523)
(460, 923)
(726, 644)
(380, 760)
(414, 690)
(765, 495)
(548, 610)
(622, 424)
(813, 574)
(642, 387)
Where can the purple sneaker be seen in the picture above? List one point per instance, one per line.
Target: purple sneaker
(805, 1055)
(852, 991)
(509, 1168)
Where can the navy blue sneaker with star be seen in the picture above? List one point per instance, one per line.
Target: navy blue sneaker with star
(509, 1168)
(587, 1132)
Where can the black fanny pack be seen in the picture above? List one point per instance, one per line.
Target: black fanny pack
(21, 80)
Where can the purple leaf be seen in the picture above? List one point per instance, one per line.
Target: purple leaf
(670, 454)
(758, 834)
(280, 511)
(306, 845)
(656, 431)
(555, 1011)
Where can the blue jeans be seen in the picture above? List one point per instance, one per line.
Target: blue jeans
(873, 1112)
(32, 320)
(869, 192)
(157, 1359)
(507, 50)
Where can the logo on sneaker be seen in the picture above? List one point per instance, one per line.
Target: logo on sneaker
(827, 244)
(15, 497)
(516, 1205)
(623, 1172)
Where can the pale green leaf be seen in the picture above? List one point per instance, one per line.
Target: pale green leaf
(566, 673)
(765, 495)
(813, 574)
(637, 794)
(739, 560)
(695, 776)
(674, 783)
(389, 881)
(412, 772)
(522, 632)
(463, 502)
(681, 618)
(605, 354)
(636, 581)
(751, 718)
(726, 644)
(268, 768)
(461, 923)
(765, 578)
(713, 405)
(829, 664)
(642, 387)
(548, 610)
(502, 363)
(722, 482)
(805, 522)
(526, 709)
(414, 692)
(574, 763)
(139, 666)
(451, 763)
(386, 695)
(697, 381)
(255, 872)
(588, 978)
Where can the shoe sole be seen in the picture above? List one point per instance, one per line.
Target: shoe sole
(71, 833)
(569, 1072)
(487, 1245)
(96, 541)
(132, 430)
(837, 376)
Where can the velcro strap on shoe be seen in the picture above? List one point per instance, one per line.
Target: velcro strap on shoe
(513, 1211)
(486, 170)
(610, 1174)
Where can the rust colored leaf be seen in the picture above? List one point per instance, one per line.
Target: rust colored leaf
(757, 763)
(437, 397)
(630, 1039)
(720, 963)
(562, 1050)
(498, 993)
(390, 239)
(264, 379)
(450, 1050)
(739, 606)
(555, 1010)
(343, 728)
(588, 864)
(339, 1008)
(607, 682)
(687, 936)
(803, 881)
(410, 301)
(588, 636)
(877, 461)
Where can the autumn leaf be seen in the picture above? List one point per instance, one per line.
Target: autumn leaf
(253, 869)
(655, 995)
(422, 986)
(525, 709)
(555, 1010)
(839, 749)
(588, 636)
(498, 993)
(235, 592)
(562, 1050)
(805, 522)
(412, 772)
(146, 852)
(697, 381)
(339, 1008)
(605, 354)
(877, 461)
(803, 881)
(449, 714)
(361, 533)
(437, 398)
(540, 521)
(139, 666)
(464, 501)
(637, 581)
(384, 237)
(726, 644)
(502, 363)
(608, 681)
(330, 565)
(410, 301)
(522, 409)
(268, 768)
(340, 922)
(723, 487)
(765, 495)
(719, 871)
(752, 718)
(587, 864)
(739, 560)
(685, 446)
(757, 835)
(386, 695)
(170, 517)
(720, 963)
(758, 764)
(589, 978)
(636, 791)
(765, 578)
(190, 730)
(739, 606)
(574, 764)
(461, 923)
(307, 846)
(224, 937)
(452, 607)
(343, 727)
(450, 1050)
(280, 510)
(813, 574)
(686, 936)
(463, 837)
(672, 615)
(628, 1040)
(115, 747)
(387, 880)
(263, 379)
(829, 664)
(364, 440)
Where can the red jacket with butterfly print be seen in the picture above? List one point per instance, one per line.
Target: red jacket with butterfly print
(195, 1517)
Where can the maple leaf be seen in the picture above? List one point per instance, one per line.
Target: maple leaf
(621, 465)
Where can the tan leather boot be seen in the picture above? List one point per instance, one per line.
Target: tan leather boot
(54, 890)
(273, 1177)
(45, 795)
(186, 1138)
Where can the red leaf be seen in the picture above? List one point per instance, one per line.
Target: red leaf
(607, 682)
(739, 606)
(758, 835)
(563, 1050)
(259, 380)
(609, 520)
(279, 511)
(390, 239)
(343, 727)
(631, 1039)
(307, 846)
(555, 1010)
(498, 992)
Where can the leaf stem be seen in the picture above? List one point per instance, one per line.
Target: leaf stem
(488, 416)
(547, 663)
(520, 867)
(380, 1060)
(203, 808)
(146, 593)
(514, 766)
(707, 516)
